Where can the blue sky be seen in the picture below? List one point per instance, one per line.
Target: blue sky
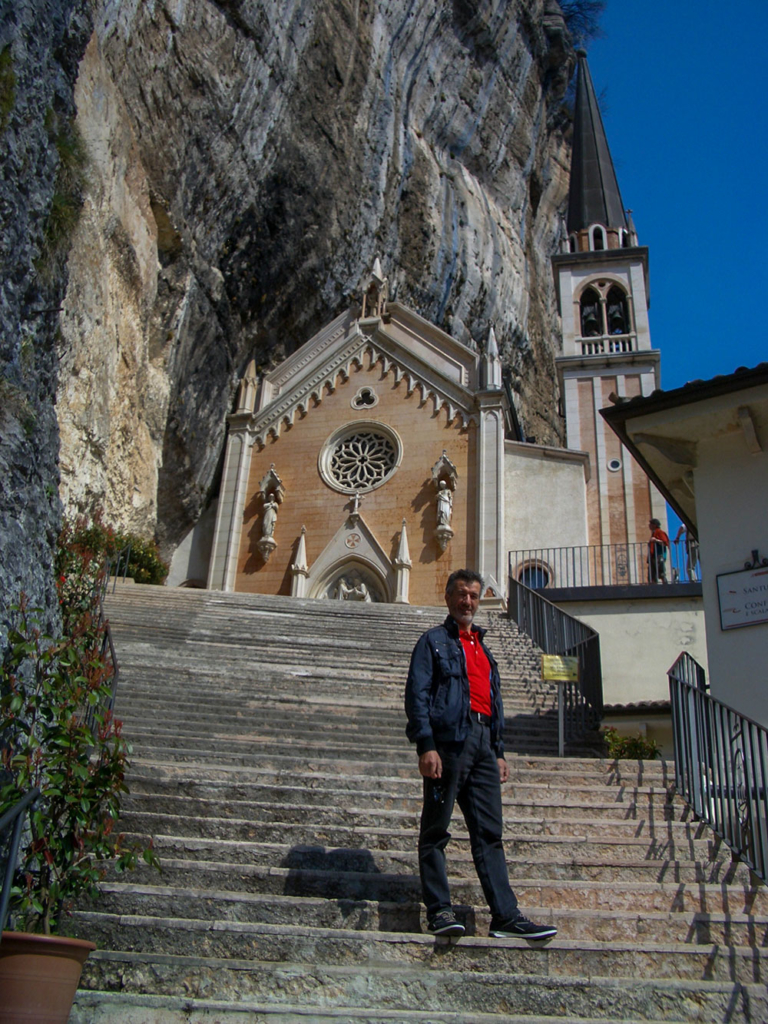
(685, 93)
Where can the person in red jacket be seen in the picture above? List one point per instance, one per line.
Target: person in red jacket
(658, 546)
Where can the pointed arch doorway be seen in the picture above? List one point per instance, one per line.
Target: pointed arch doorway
(352, 580)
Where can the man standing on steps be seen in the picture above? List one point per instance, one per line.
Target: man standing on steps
(456, 718)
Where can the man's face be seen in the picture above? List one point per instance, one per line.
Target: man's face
(462, 601)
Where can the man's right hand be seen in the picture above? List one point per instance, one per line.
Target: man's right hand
(430, 765)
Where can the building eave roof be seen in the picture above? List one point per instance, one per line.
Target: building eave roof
(694, 391)
(645, 431)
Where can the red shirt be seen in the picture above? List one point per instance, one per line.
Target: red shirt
(659, 536)
(478, 671)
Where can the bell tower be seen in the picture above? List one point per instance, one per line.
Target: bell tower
(603, 299)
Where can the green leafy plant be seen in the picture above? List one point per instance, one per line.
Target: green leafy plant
(84, 540)
(633, 748)
(59, 735)
(144, 562)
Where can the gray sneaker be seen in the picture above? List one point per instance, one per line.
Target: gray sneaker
(520, 928)
(445, 923)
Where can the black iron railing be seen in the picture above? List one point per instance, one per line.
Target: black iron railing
(605, 565)
(115, 566)
(110, 659)
(721, 764)
(556, 632)
(13, 819)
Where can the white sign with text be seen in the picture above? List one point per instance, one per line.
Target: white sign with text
(743, 597)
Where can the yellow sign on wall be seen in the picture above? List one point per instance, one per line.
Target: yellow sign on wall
(557, 667)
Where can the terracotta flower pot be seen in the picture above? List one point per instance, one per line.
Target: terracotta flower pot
(39, 975)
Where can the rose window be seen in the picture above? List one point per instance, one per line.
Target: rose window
(360, 457)
(362, 461)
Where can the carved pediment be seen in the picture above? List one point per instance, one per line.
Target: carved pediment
(350, 349)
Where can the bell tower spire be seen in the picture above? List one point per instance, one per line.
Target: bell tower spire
(603, 299)
(596, 217)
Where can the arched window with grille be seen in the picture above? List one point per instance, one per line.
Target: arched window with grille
(536, 575)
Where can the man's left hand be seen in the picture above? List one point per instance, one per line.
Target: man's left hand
(503, 769)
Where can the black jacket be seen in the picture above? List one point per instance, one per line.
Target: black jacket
(437, 691)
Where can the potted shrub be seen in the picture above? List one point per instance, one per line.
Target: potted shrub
(58, 733)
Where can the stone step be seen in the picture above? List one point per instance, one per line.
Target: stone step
(271, 764)
(397, 829)
(325, 736)
(250, 745)
(194, 703)
(101, 1007)
(192, 706)
(188, 937)
(158, 603)
(192, 709)
(270, 908)
(252, 742)
(146, 757)
(524, 776)
(592, 882)
(301, 800)
(534, 992)
(243, 798)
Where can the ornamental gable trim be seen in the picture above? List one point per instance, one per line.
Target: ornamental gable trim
(343, 348)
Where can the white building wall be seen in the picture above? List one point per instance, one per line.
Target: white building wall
(731, 487)
(192, 557)
(545, 496)
(640, 640)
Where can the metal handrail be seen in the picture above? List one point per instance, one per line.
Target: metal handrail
(721, 764)
(604, 565)
(557, 632)
(108, 653)
(14, 816)
(113, 567)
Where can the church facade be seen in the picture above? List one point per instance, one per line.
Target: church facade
(367, 466)
(383, 454)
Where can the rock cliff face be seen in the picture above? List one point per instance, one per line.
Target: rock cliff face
(41, 42)
(248, 161)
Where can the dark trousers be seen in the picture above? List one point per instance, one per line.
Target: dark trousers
(471, 777)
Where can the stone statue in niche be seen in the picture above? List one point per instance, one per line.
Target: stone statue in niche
(270, 517)
(272, 492)
(267, 543)
(444, 504)
(445, 478)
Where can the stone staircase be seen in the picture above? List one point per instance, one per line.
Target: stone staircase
(271, 766)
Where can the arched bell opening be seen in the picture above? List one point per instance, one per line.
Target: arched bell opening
(591, 314)
(617, 312)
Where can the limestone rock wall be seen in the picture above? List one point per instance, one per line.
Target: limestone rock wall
(248, 161)
(41, 42)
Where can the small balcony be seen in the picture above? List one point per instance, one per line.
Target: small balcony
(601, 344)
(605, 565)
